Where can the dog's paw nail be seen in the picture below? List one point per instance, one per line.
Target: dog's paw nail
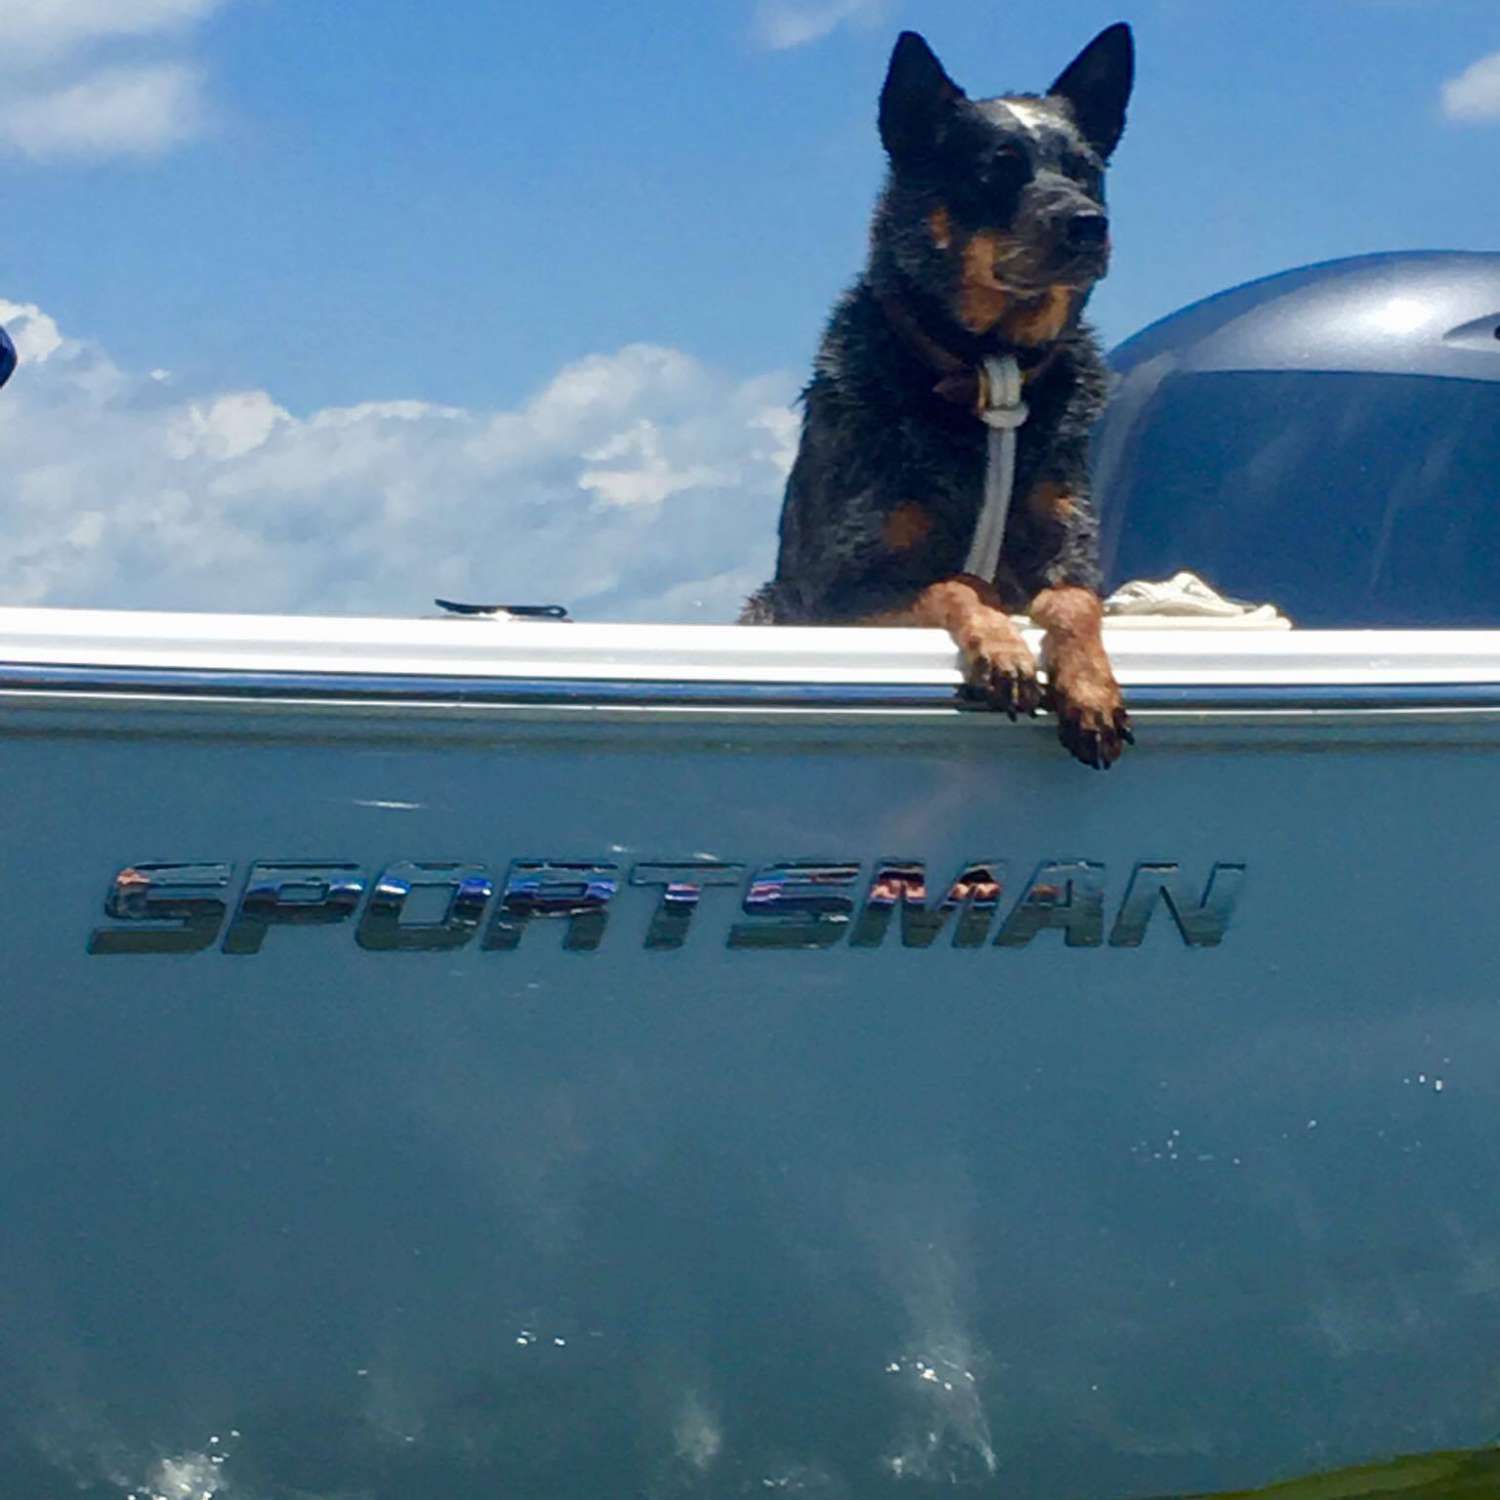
(1093, 741)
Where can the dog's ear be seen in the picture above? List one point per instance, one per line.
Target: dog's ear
(1096, 86)
(916, 96)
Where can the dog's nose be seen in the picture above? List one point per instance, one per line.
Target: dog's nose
(1088, 230)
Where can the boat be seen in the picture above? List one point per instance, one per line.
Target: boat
(506, 1056)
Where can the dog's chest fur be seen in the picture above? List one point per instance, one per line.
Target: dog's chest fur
(888, 482)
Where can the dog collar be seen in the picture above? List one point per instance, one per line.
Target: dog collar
(992, 391)
(960, 381)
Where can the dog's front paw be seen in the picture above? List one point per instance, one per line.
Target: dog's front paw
(1091, 718)
(999, 669)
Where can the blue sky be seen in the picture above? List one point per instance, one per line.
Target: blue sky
(324, 207)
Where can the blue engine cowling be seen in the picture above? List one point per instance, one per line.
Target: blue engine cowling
(1327, 439)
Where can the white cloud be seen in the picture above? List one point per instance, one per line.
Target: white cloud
(110, 112)
(1475, 94)
(227, 427)
(36, 336)
(781, 24)
(641, 472)
(31, 30)
(641, 484)
(59, 99)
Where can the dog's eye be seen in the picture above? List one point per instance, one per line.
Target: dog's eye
(1081, 169)
(1007, 165)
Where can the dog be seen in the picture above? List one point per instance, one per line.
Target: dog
(987, 238)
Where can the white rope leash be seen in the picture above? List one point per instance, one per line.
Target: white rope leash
(1002, 412)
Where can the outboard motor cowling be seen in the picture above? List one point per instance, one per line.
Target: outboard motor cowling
(1327, 439)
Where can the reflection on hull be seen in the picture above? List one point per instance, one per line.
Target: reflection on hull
(379, 1211)
(448, 1461)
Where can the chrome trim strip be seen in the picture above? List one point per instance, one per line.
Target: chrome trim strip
(386, 687)
(326, 687)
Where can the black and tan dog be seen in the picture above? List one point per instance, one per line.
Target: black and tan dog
(987, 239)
